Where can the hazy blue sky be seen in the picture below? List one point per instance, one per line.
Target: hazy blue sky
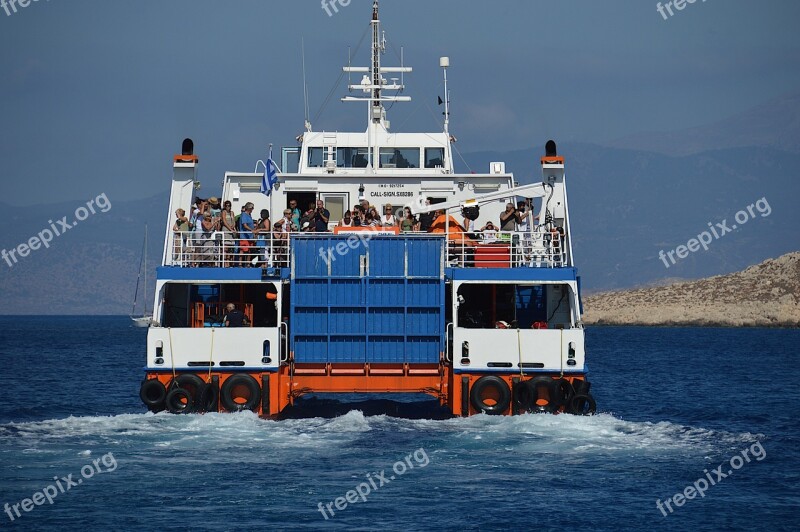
(95, 96)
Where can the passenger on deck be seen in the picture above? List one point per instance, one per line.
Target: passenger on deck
(358, 216)
(234, 317)
(228, 228)
(180, 238)
(370, 220)
(489, 232)
(347, 221)
(524, 225)
(214, 205)
(207, 249)
(295, 212)
(508, 218)
(308, 217)
(285, 223)
(246, 228)
(196, 210)
(388, 219)
(262, 233)
(426, 218)
(196, 225)
(321, 217)
(409, 222)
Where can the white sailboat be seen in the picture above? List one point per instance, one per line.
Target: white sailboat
(145, 319)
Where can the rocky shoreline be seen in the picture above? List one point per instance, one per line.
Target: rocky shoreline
(764, 295)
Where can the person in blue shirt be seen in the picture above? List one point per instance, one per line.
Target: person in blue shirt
(246, 226)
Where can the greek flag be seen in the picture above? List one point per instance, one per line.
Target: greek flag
(270, 177)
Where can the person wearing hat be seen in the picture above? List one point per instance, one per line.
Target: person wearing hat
(213, 202)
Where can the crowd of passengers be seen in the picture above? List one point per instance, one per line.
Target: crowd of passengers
(212, 225)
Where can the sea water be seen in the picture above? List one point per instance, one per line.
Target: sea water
(677, 406)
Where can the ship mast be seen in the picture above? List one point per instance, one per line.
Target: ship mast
(373, 83)
(378, 48)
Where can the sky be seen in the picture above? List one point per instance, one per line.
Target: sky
(96, 96)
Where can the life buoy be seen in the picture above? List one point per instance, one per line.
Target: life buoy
(240, 392)
(180, 401)
(583, 405)
(152, 394)
(490, 395)
(539, 403)
(192, 384)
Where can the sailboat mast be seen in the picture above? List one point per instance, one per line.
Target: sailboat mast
(145, 270)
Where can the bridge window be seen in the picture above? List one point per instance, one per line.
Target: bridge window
(434, 157)
(399, 157)
(352, 157)
(316, 157)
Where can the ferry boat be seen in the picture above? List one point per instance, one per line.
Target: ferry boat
(485, 319)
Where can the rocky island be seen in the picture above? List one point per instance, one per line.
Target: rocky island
(764, 295)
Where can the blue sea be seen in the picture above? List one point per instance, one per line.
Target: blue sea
(676, 406)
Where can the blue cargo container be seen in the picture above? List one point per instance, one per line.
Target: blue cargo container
(377, 301)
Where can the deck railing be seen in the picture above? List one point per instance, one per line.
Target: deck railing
(488, 249)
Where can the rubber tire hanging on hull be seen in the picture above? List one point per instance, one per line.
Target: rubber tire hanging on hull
(209, 397)
(582, 405)
(549, 384)
(503, 395)
(180, 401)
(226, 396)
(152, 393)
(192, 384)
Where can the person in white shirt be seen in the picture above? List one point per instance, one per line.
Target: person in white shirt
(489, 232)
(347, 221)
(525, 220)
(388, 219)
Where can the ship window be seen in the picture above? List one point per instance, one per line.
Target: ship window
(352, 157)
(316, 157)
(290, 160)
(434, 157)
(399, 157)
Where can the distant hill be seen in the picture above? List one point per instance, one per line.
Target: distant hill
(765, 295)
(628, 203)
(775, 124)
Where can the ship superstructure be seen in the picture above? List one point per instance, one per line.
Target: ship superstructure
(484, 319)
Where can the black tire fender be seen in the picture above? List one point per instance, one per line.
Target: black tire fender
(191, 383)
(583, 405)
(523, 397)
(209, 399)
(549, 384)
(180, 401)
(152, 393)
(564, 392)
(503, 392)
(226, 396)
